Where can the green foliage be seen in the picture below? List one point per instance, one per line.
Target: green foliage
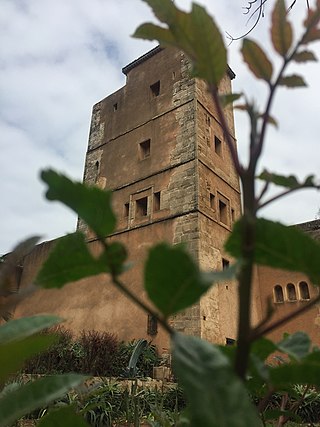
(92, 353)
(195, 33)
(173, 280)
(65, 416)
(216, 395)
(281, 30)
(90, 203)
(216, 381)
(35, 394)
(279, 246)
(257, 60)
(287, 181)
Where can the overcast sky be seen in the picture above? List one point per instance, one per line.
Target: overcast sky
(58, 58)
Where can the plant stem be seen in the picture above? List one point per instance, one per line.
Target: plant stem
(121, 286)
(245, 276)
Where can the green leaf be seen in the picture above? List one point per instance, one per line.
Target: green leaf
(229, 98)
(297, 345)
(287, 181)
(173, 280)
(295, 373)
(281, 30)
(216, 396)
(271, 120)
(312, 36)
(34, 395)
(65, 416)
(70, 260)
(113, 258)
(292, 81)
(14, 354)
(150, 31)
(304, 56)
(92, 204)
(211, 62)
(257, 60)
(18, 329)
(280, 247)
(195, 33)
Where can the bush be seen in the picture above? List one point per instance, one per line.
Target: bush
(100, 351)
(93, 352)
(58, 358)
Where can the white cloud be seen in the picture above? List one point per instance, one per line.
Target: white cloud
(59, 58)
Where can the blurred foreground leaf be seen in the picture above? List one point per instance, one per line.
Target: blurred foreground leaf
(62, 417)
(92, 204)
(216, 396)
(34, 395)
(195, 33)
(173, 280)
(279, 246)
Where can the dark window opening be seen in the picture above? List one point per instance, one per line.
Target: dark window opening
(152, 326)
(142, 207)
(97, 165)
(304, 290)
(217, 146)
(204, 317)
(232, 215)
(212, 201)
(278, 294)
(156, 201)
(230, 341)
(173, 74)
(144, 148)
(223, 212)
(115, 106)
(126, 210)
(291, 292)
(155, 89)
(225, 264)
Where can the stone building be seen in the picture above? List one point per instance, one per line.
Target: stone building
(158, 145)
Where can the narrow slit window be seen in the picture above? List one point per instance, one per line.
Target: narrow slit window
(278, 293)
(212, 201)
(223, 212)
(304, 290)
(144, 149)
(291, 292)
(152, 326)
(232, 215)
(155, 89)
(225, 264)
(217, 146)
(156, 201)
(126, 210)
(115, 106)
(142, 207)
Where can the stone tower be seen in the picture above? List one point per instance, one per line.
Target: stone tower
(158, 145)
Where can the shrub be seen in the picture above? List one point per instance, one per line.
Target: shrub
(100, 351)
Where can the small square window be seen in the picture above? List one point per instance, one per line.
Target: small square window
(142, 207)
(115, 106)
(155, 89)
(212, 201)
(156, 201)
(223, 212)
(217, 146)
(126, 210)
(144, 149)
